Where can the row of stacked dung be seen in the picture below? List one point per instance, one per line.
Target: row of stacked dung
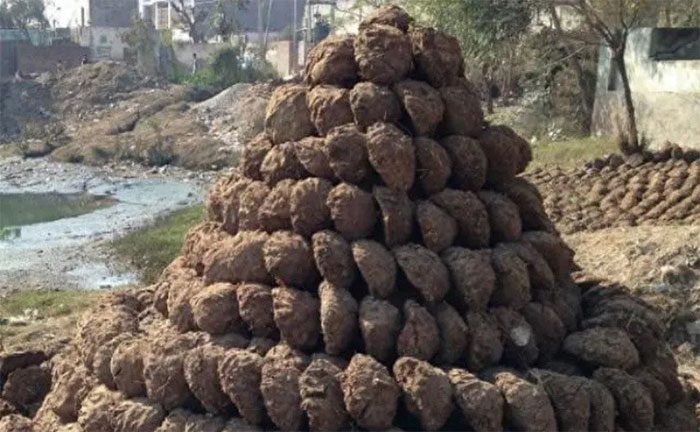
(620, 193)
(374, 263)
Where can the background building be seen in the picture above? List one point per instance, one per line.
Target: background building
(101, 25)
(663, 65)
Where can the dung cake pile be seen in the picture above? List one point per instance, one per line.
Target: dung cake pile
(612, 192)
(375, 263)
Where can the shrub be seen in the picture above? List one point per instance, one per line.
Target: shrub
(227, 67)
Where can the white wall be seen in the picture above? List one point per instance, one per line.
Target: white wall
(105, 43)
(666, 95)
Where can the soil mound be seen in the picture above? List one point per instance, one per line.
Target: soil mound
(100, 83)
(355, 316)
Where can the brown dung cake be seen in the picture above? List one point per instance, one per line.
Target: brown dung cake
(376, 263)
(613, 192)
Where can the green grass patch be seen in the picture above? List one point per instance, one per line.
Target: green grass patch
(45, 303)
(571, 152)
(152, 248)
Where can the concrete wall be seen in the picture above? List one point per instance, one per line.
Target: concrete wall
(8, 58)
(279, 54)
(205, 51)
(666, 95)
(104, 43)
(39, 59)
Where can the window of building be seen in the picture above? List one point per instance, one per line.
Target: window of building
(675, 44)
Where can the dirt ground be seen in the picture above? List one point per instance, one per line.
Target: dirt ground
(106, 112)
(642, 258)
(661, 264)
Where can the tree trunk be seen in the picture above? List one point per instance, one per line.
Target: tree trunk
(586, 99)
(632, 134)
(489, 97)
(488, 81)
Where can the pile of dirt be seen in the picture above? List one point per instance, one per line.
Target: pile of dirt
(107, 111)
(236, 114)
(84, 88)
(375, 263)
(617, 193)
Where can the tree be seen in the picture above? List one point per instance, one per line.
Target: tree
(23, 15)
(612, 21)
(680, 13)
(224, 18)
(489, 32)
(191, 17)
(571, 50)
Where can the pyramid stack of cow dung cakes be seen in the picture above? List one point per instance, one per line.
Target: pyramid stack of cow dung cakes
(374, 263)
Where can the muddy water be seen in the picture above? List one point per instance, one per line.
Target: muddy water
(54, 227)
(18, 209)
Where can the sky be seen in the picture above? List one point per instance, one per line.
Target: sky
(65, 12)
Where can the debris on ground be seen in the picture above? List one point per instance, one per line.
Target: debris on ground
(109, 112)
(538, 349)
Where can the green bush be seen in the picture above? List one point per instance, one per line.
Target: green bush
(227, 67)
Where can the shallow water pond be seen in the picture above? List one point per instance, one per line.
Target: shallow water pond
(18, 209)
